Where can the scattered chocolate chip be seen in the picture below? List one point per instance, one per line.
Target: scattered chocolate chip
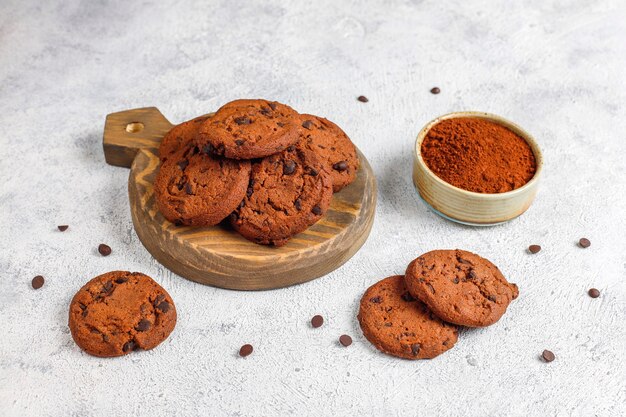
(534, 249)
(298, 204)
(317, 210)
(407, 297)
(362, 99)
(37, 282)
(415, 349)
(121, 280)
(376, 300)
(242, 120)
(188, 189)
(130, 345)
(317, 321)
(63, 228)
(307, 124)
(105, 250)
(143, 325)
(345, 340)
(435, 90)
(547, 356)
(340, 166)
(164, 306)
(183, 164)
(245, 350)
(289, 167)
(584, 242)
(594, 293)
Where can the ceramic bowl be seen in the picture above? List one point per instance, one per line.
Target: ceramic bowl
(468, 207)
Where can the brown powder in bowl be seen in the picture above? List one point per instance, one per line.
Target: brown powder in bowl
(478, 155)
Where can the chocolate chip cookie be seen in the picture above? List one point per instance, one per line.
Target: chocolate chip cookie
(179, 136)
(247, 129)
(400, 325)
(119, 312)
(460, 287)
(200, 189)
(332, 146)
(287, 193)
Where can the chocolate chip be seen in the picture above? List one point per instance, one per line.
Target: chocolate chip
(313, 172)
(345, 340)
(63, 228)
(456, 280)
(188, 189)
(340, 166)
(534, 249)
(265, 111)
(159, 298)
(435, 90)
(547, 356)
(178, 222)
(407, 297)
(584, 242)
(492, 298)
(362, 99)
(280, 124)
(37, 282)
(317, 210)
(164, 306)
(243, 120)
(143, 325)
(594, 293)
(415, 349)
(249, 191)
(208, 149)
(245, 350)
(121, 280)
(298, 204)
(108, 286)
(307, 124)
(388, 324)
(272, 105)
(128, 346)
(317, 321)
(183, 164)
(239, 142)
(105, 250)
(472, 274)
(289, 167)
(376, 300)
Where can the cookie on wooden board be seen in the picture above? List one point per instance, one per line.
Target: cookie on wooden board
(460, 287)
(118, 312)
(248, 129)
(198, 189)
(287, 193)
(400, 325)
(332, 146)
(179, 136)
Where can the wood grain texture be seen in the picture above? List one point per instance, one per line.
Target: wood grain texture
(218, 255)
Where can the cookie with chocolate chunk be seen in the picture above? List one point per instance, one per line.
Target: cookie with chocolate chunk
(287, 193)
(119, 312)
(198, 189)
(332, 146)
(179, 136)
(460, 287)
(248, 129)
(400, 325)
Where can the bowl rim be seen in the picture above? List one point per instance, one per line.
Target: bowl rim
(534, 146)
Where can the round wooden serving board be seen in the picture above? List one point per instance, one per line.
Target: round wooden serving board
(217, 255)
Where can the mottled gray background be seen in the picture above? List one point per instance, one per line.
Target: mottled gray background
(555, 67)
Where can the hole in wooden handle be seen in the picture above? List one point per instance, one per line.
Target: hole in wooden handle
(134, 127)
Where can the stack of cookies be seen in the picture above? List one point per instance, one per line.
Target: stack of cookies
(267, 168)
(415, 316)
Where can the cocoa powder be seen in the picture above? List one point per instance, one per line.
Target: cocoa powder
(478, 155)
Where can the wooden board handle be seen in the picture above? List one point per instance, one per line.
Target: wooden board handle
(126, 132)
